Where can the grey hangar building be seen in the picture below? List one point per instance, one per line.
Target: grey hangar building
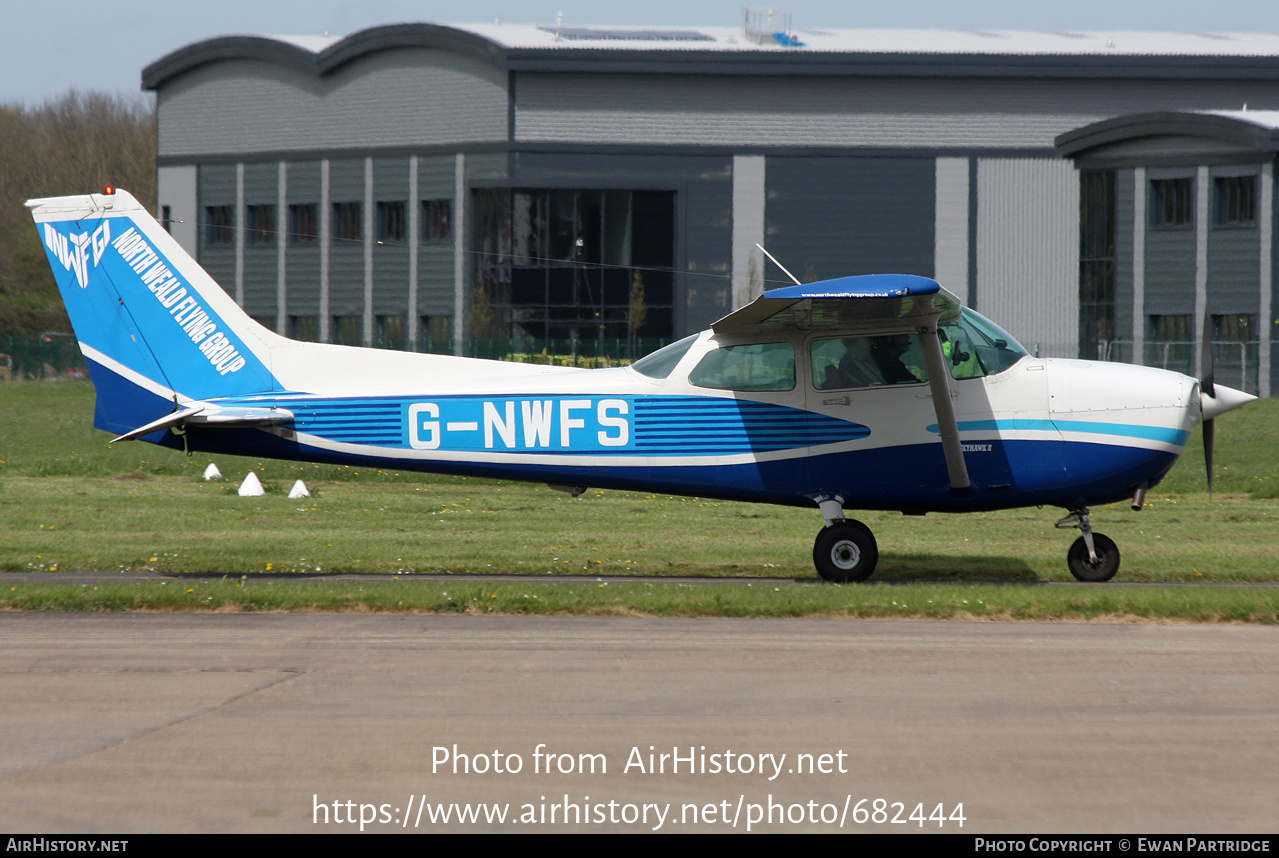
(431, 186)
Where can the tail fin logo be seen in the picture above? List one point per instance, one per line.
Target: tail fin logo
(73, 250)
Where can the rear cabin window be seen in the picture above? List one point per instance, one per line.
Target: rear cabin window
(760, 366)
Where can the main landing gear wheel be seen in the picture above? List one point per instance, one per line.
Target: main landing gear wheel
(1107, 559)
(845, 551)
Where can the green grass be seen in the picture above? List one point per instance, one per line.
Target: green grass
(664, 599)
(70, 503)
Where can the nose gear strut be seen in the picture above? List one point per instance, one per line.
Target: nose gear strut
(1093, 556)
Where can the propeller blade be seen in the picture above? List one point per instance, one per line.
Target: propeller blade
(1206, 372)
(1208, 438)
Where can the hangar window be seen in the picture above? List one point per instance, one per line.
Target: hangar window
(219, 224)
(304, 328)
(436, 217)
(760, 366)
(390, 223)
(1234, 328)
(435, 329)
(1171, 202)
(1172, 342)
(1097, 218)
(348, 330)
(389, 331)
(304, 223)
(1234, 201)
(577, 265)
(1235, 349)
(348, 222)
(260, 225)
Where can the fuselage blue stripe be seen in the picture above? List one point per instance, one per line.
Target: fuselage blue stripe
(1149, 433)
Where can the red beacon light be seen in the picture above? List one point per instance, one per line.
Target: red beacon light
(109, 190)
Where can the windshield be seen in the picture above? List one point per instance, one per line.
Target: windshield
(660, 363)
(975, 346)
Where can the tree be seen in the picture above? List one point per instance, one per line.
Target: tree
(74, 143)
(480, 319)
(637, 312)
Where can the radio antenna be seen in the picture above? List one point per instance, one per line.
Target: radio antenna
(778, 264)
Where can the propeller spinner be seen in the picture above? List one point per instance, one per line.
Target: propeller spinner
(1214, 399)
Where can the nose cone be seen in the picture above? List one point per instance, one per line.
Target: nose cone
(1223, 399)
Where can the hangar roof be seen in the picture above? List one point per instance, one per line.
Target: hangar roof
(1246, 129)
(727, 50)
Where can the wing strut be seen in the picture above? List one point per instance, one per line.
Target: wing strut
(938, 382)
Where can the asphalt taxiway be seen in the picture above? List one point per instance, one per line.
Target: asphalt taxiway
(130, 723)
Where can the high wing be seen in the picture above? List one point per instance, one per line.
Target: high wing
(863, 305)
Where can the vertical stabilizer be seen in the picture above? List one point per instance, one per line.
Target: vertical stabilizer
(154, 328)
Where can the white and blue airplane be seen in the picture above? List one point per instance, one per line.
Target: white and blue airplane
(875, 392)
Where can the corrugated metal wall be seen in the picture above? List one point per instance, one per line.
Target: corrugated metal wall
(1234, 260)
(1170, 258)
(346, 257)
(217, 187)
(403, 97)
(391, 259)
(302, 261)
(436, 177)
(843, 111)
(834, 217)
(176, 188)
(1028, 250)
(1124, 291)
(950, 226)
(261, 261)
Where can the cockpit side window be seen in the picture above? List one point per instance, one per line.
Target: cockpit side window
(846, 362)
(759, 366)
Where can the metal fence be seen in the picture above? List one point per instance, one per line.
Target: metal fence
(1235, 364)
(582, 353)
(57, 356)
(49, 357)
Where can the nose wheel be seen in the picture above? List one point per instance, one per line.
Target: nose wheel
(845, 551)
(1084, 568)
(1093, 556)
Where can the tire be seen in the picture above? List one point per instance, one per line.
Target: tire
(845, 552)
(1107, 559)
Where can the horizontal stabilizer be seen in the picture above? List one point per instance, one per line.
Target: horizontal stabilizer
(243, 417)
(168, 420)
(213, 416)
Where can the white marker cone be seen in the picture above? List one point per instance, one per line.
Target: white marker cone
(212, 473)
(299, 490)
(251, 487)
